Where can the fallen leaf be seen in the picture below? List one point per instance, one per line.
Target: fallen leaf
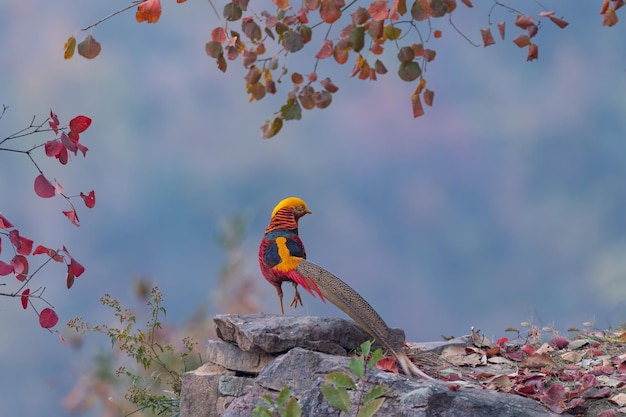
(539, 361)
(572, 357)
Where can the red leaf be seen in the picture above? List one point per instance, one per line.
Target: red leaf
(148, 11)
(54, 122)
(53, 147)
(71, 214)
(468, 3)
(429, 96)
(4, 223)
(559, 22)
(77, 268)
(326, 50)
(387, 364)
(487, 37)
(554, 398)
(524, 21)
(62, 156)
(610, 17)
(43, 187)
(22, 244)
(330, 10)
(329, 85)
(61, 339)
(219, 35)
(70, 277)
(20, 267)
(533, 52)
(25, 298)
(378, 10)
(522, 41)
(502, 341)
(48, 318)
(5, 269)
(418, 110)
(528, 349)
(501, 29)
(90, 199)
(50, 252)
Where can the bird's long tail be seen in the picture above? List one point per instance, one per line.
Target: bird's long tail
(350, 302)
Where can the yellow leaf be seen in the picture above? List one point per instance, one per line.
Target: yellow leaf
(69, 47)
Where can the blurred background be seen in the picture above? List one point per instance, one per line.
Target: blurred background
(505, 203)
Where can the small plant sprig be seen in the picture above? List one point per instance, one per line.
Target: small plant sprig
(285, 405)
(335, 390)
(154, 385)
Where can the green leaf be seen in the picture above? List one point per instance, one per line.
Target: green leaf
(214, 49)
(357, 366)
(283, 396)
(293, 408)
(292, 41)
(378, 353)
(261, 411)
(377, 391)
(370, 408)
(406, 54)
(291, 110)
(366, 347)
(337, 397)
(232, 12)
(409, 71)
(357, 38)
(341, 379)
(392, 32)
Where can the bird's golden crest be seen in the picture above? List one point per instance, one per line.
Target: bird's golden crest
(290, 202)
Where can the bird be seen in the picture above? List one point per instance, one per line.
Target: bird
(282, 258)
(281, 250)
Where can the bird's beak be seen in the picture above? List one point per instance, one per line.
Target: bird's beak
(307, 211)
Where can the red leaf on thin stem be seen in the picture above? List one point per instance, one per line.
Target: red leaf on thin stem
(20, 267)
(48, 318)
(89, 199)
(25, 298)
(4, 223)
(5, 269)
(43, 187)
(50, 252)
(487, 37)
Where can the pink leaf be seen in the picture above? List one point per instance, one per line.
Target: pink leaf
(48, 318)
(89, 199)
(43, 187)
(22, 244)
(4, 223)
(326, 50)
(25, 298)
(72, 216)
(5, 269)
(53, 147)
(378, 10)
(69, 144)
(20, 267)
(54, 122)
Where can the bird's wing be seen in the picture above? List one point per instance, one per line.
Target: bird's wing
(350, 302)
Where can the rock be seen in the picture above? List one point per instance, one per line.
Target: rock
(261, 354)
(231, 357)
(303, 372)
(277, 334)
(200, 395)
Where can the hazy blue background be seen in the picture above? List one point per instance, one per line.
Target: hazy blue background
(505, 203)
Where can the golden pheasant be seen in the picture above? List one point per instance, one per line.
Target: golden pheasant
(283, 259)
